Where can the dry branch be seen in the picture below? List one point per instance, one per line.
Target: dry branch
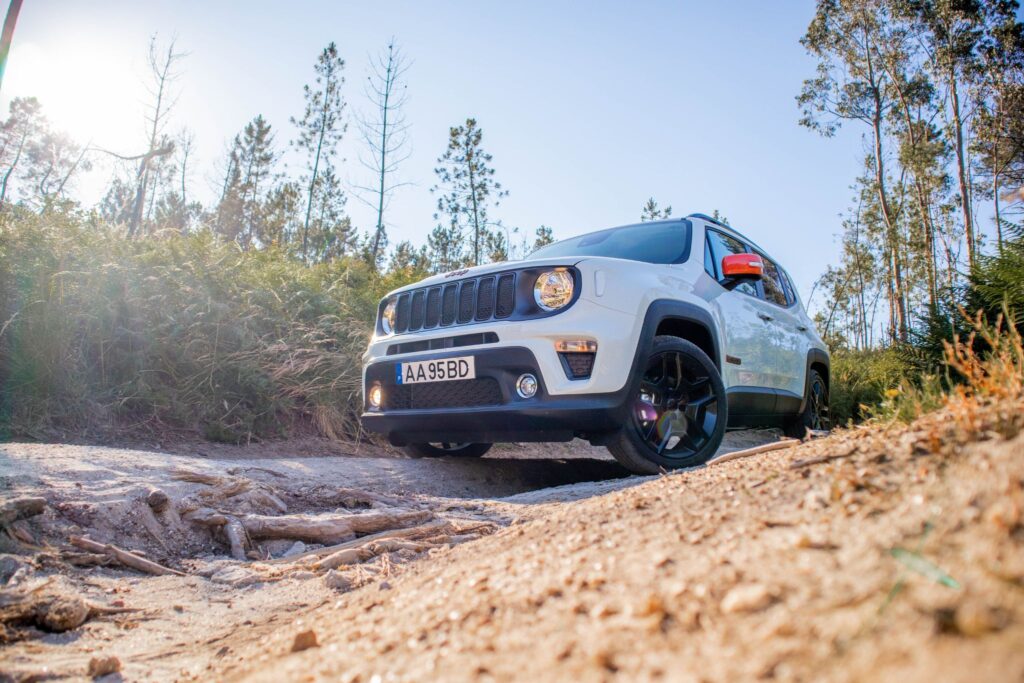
(433, 528)
(774, 446)
(125, 557)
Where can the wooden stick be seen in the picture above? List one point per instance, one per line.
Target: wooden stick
(774, 446)
(126, 558)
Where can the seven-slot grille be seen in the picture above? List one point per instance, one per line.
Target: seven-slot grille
(488, 297)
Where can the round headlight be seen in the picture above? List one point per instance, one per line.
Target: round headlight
(553, 289)
(387, 317)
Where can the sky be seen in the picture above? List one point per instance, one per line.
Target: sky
(587, 108)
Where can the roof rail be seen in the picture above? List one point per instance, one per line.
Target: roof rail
(709, 219)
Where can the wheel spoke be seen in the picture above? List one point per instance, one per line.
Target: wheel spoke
(668, 435)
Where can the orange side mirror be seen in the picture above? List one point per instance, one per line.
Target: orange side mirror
(743, 266)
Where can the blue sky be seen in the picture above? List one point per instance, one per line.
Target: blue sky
(588, 108)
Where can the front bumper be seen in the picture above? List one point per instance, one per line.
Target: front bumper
(544, 417)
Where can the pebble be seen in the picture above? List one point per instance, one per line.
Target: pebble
(103, 665)
(304, 640)
(746, 598)
(337, 580)
(297, 549)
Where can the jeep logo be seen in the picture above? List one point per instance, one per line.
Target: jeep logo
(456, 273)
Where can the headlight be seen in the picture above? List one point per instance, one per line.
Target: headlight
(553, 289)
(387, 317)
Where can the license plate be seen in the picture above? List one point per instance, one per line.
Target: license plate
(438, 370)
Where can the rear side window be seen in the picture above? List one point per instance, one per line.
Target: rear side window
(774, 288)
(722, 245)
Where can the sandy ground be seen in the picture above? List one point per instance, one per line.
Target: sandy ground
(870, 555)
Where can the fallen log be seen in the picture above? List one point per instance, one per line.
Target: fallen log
(326, 529)
(21, 508)
(128, 559)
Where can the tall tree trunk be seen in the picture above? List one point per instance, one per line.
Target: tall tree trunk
(476, 215)
(379, 233)
(961, 168)
(10, 171)
(312, 181)
(8, 35)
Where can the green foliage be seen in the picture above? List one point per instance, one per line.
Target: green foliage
(860, 380)
(100, 333)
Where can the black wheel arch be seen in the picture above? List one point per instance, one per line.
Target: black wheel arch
(817, 359)
(684, 320)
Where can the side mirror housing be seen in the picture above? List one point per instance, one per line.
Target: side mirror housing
(737, 268)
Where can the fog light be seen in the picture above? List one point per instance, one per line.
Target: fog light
(376, 396)
(526, 385)
(576, 346)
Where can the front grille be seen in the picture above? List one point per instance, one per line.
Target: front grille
(489, 297)
(465, 393)
(578, 365)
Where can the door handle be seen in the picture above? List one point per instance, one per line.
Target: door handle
(802, 328)
(765, 317)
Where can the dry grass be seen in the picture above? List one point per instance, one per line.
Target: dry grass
(172, 333)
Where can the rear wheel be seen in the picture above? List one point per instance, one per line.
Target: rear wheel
(679, 414)
(439, 449)
(816, 414)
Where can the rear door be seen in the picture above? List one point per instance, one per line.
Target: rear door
(787, 335)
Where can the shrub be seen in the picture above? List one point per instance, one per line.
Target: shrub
(174, 332)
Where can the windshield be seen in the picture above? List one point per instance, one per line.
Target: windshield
(662, 242)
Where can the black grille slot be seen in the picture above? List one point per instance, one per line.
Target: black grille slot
(433, 307)
(402, 314)
(466, 301)
(416, 314)
(506, 296)
(467, 393)
(578, 365)
(485, 299)
(448, 304)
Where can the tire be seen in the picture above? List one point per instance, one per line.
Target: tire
(438, 450)
(816, 410)
(681, 392)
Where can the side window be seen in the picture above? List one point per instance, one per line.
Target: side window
(722, 245)
(709, 261)
(774, 289)
(790, 289)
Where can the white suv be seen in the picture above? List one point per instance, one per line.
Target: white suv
(625, 337)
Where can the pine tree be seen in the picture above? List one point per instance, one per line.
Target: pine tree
(386, 140)
(320, 128)
(465, 188)
(651, 212)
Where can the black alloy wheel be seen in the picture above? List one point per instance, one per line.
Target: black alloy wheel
(679, 414)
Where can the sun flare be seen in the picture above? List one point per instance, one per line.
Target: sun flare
(89, 92)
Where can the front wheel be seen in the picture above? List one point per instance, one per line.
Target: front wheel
(679, 414)
(437, 450)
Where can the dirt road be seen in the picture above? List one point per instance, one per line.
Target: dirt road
(868, 555)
